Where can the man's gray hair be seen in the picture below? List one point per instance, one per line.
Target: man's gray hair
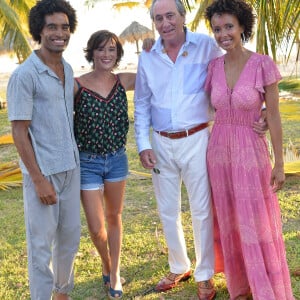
(180, 8)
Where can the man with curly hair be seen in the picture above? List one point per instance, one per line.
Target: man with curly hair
(40, 108)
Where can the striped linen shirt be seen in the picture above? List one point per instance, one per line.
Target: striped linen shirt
(36, 93)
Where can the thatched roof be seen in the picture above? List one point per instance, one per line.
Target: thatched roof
(135, 32)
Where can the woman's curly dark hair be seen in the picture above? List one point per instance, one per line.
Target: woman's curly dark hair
(239, 8)
(102, 37)
(43, 8)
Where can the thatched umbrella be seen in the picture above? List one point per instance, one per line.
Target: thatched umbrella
(135, 32)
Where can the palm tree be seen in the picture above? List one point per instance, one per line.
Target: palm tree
(13, 21)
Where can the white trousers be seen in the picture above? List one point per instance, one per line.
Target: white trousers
(52, 235)
(185, 160)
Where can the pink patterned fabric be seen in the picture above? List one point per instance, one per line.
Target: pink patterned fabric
(239, 168)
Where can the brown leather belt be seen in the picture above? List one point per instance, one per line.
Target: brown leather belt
(182, 134)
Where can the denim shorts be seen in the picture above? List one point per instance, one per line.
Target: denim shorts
(96, 169)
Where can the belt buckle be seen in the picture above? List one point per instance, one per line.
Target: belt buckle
(186, 132)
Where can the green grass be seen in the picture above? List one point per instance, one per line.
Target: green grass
(4, 124)
(290, 114)
(7, 153)
(144, 253)
(290, 84)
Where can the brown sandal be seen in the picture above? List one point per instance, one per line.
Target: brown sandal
(206, 290)
(172, 280)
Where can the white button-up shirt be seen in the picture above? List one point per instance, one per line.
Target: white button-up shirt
(170, 96)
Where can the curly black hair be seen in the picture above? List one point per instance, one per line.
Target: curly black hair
(43, 8)
(100, 37)
(238, 8)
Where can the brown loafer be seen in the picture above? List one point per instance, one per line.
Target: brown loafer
(172, 280)
(206, 290)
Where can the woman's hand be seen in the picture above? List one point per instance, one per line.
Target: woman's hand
(147, 44)
(277, 178)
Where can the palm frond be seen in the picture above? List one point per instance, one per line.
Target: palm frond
(6, 140)
(10, 176)
(127, 4)
(200, 14)
(289, 30)
(13, 21)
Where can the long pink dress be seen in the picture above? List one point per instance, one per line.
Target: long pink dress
(239, 167)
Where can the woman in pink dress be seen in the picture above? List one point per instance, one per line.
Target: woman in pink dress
(242, 178)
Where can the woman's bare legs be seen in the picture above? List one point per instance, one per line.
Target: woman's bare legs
(92, 202)
(114, 197)
(107, 242)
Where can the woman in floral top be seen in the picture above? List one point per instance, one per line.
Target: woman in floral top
(101, 125)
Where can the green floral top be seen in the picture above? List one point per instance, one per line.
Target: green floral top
(101, 124)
